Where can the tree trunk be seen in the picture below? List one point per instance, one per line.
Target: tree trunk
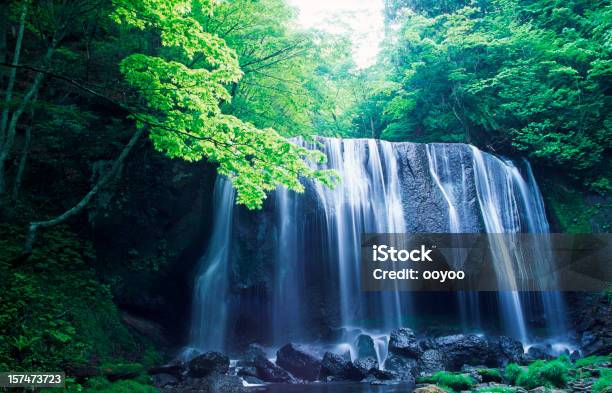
(102, 182)
(12, 126)
(4, 25)
(24, 155)
(12, 75)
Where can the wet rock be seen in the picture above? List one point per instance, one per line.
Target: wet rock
(253, 351)
(505, 350)
(382, 375)
(248, 371)
(575, 355)
(299, 360)
(403, 341)
(431, 361)
(463, 349)
(404, 367)
(208, 363)
(339, 368)
(364, 365)
(365, 346)
(270, 372)
(253, 380)
(538, 351)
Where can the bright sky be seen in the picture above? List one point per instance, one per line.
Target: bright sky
(363, 19)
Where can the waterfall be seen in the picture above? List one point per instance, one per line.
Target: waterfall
(306, 258)
(211, 287)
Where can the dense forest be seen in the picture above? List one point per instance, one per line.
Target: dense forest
(116, 115)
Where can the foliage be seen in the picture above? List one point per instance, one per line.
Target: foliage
(592, 361)
(184, 89)
(102, 385)
(603, 383)
(489, 374)
(54, 313)
(514, 77)
(553, 373)
(454, 381)
(512, 372)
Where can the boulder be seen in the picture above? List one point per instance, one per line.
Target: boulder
(252, 351)
(403, 342)
(430, 362)
(337, 368)
(538, 352)
(505, 350)
(460, 349)
(299, 360)
(382, 375)
(365, 346)
(364, 365)
(404, 367)
(208, 363)
(248, 371)
(270, 372)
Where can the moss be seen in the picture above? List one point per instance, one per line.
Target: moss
(453, 381)
(592, 360)
(489, 374)
(571, 209)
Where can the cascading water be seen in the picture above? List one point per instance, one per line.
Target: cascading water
(211, 286)
(303, 260)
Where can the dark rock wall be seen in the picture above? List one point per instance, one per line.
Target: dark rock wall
(149, 229)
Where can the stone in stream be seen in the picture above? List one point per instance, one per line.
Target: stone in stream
(338, 368)
(505, 350)
(431, 361)
(460, 349)
(208, 363)
(300, 361)
(404, 367)
(270, 372)
(364, 365)
(365, 346)
(538, 352)
(403, 342)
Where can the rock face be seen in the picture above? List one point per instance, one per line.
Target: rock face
(300, 361)
(207, 364)
(337, 368)
(404, 342)
(365, 346)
